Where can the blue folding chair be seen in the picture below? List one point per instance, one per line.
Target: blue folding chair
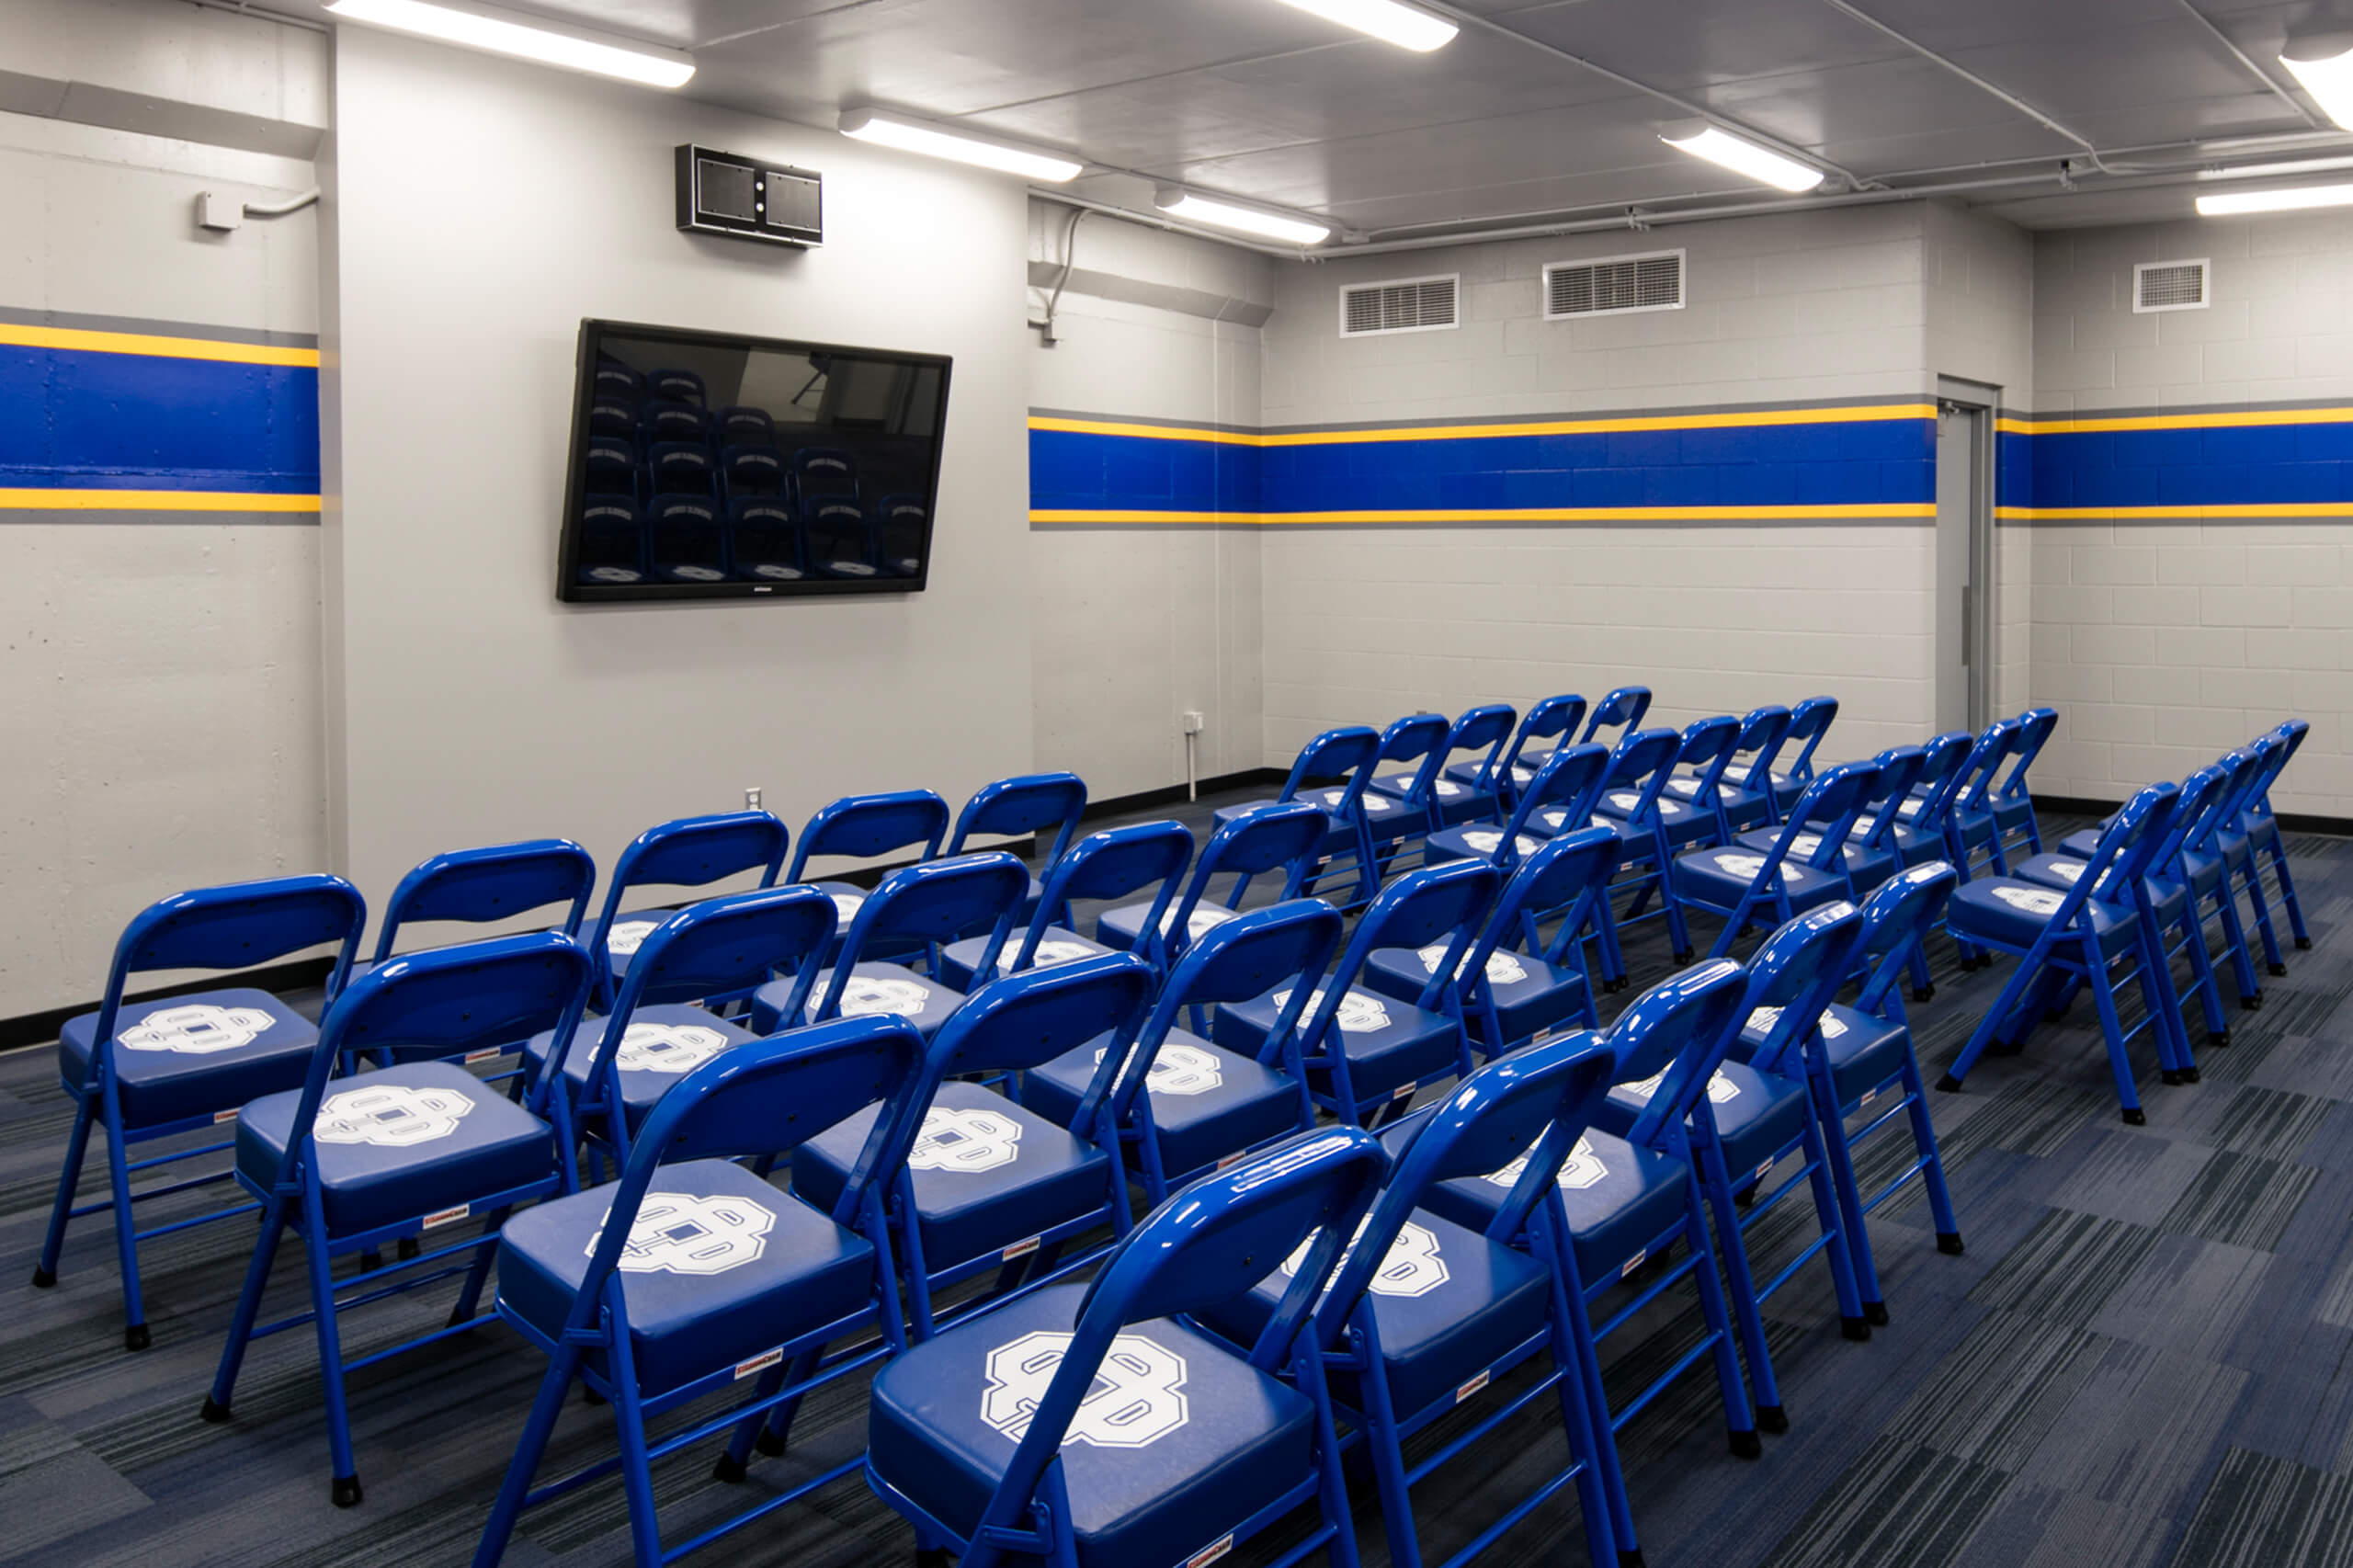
(1179, 1104)
(867, 827)
(2013, 805)
(1639, 769)
(689, 852)
(1870, 851)
(1094, 1425)
(1706, 749)
(1107, 865)
(1560, 798)
(1498, 776)
(1331, 773)
(1755, 747)
(2216, 865)
(608, 1081)
(690, 1275)
(1430, 1314)
(1853, 1055)
(1289, 838)
(679, 386)
(1363, 1051)
(1617, 715)
(1514, 987)
(1397, 819)
(915, 909)
(2263, 828)
(611, 548)
(396, 1154)
(764, 543)
(1749, 1123)
(687, 539)
(2236, 842)
(1455, 799)
(989, 1184)
(1917, 835)
(1808, 721)
(1030, 803)
(156, 1067)
(1629, 1199)
(1973, 836)
(2071, 939)
(1802, 866)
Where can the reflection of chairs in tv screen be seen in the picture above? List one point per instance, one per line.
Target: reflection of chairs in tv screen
(764, 540)
(665, 420)
(611, 542)
(686, 540)
(678, 386)
(610, 467)
(740, 424)
(616, 383)
(752, 470)
(822, 473)
(612, 415)
(898, 534)
(840, 543)
(679, 468)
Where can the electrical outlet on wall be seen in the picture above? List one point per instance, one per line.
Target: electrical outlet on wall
(1192, 721)
(752, 798)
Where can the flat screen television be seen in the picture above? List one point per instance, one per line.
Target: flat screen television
(710, 466)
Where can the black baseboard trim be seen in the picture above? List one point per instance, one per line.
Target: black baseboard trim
(2294, 821)
(1144, 800)
(40, 1028)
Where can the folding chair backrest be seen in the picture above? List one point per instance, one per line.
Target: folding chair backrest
(1485, 728)
(497, 882)
(1762, 735)
(938, 900)
(2205, 799)
(1620, 712)
(1552, 716)
(867, 828)
(1797, 971)
(1025, 1020)
(1570, 782)
(1944, 757)
(1029, 804)
(1709, 745)
(2035, 727)
(694, 852)
(1278, 835)
(1899, 770)
(1110, 864)
(2275, 749)
(1808, 721)
(2126, 850)
(2244, 770)
(726, 945)
(1900, 911)
(1417, 736)
(1678, 1031)
(2291, 732)
(1641, 766)
(238, 926)
(1347, 753)
(1977, 787)
(1826, 813)
(1436, 903)
(1531, 1105)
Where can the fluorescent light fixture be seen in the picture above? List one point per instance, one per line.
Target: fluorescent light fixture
(2323, 65)
(2266, 171)
(911, 135)
(1247, 220)
(483, 27)
(1744, 157)
(2289, 200)
(1407, 27)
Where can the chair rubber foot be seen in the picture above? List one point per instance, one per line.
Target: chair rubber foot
(2251, 1003)
(2169, 1075)
(345, 1492)
(1948, 1084)
(1923, 992)
(1687, 955)
(44, 1278)
(1746, 1444)
(2303, 944)
(214, 1411)
(1629, 1559)
(1854, 1328)
(2275, 969)
(729, 1469)
(1875, 1314)
(769, 1442)
(2191, 1075)
(1772, 1419)
(135, 1338)
(1949, 1242)
(2135, 1117)
(2218, 1037)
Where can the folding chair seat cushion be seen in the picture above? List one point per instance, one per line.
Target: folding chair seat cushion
(197, 1054)
(1389, 1043)
(1756, 1117)
(1056, 945)
(1864, 1051)
(720, 1267)
(1718, 877)
(1122, 927)
(1912, 845)
(1448, 788)
(662, 1045)
(1619, 1198)
(873, 988)
(1476, 844)
(400, 1142)
(1181, 1430)
(2083, 841)
(2013, 913)
(1531, 997)
(1867, 867)
(1682, 820)
(2062, 872)
(1207, 1103)
(988, 1172)
(1449, 1304)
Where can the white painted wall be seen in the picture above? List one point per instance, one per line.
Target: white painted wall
(1133, 626)
(1364, 626)
(473, 708)
(2164, 644)
(159, 681)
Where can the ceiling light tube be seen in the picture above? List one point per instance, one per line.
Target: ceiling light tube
(2323, 65)
(1407, 27)
(1243, 219)
(487, 29)
(2233, 203)
(2266, 171)
(909, 134)
(1744, 157)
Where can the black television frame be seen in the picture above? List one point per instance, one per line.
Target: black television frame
(570, 590)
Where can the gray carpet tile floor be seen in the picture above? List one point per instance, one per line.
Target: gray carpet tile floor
(2145, 1356)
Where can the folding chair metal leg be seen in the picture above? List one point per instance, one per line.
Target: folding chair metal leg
(2029, 970)
(2113, 1032)
(469, 1303)
(126, 1228)
(2279, 853)
(1389, 1473)
(528, 1450)
(1840, 1159)
(1740, 1418)
(2202, 970)
(241, 1324)
(2272, 963)
(637, 1470)
(69, 1181)
(2234, 939)
(344, 1487)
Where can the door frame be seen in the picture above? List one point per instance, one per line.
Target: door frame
(1979, 653)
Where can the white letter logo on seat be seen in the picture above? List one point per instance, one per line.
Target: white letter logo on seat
(955, 1139)
(678, 1233)
(668, 1047)
(1137, 1399)
(2033, 901)
(864, 995)
(1052, 951)
(1721, 1089)
(199, 1028)
(1581, 1169)
(1359, 1013)
(1181, 1068)
(390, 1116)
(1503, 968)
(1411, 1268)
(628, 936)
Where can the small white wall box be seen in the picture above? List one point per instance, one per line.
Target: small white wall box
(725, 193)
(217, 212)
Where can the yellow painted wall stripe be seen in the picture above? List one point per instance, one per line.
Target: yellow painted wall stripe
(2218, 511)
(154, 345)
(1891, 510)
(154, 501)
(1599, 426)
(2228, 419)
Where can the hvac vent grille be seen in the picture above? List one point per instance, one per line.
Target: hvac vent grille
(1408, 305)
(1621, 283)
(2170, 286)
